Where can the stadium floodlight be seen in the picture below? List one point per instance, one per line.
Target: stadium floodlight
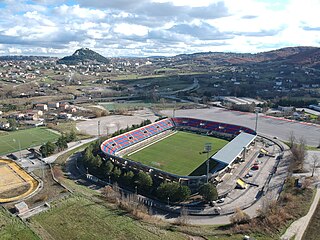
(99, 132)
(208, 149)
(257, 115)
(14, 140)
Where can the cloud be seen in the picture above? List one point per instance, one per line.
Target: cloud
(143, 27)
(203, 31)
(311, 28)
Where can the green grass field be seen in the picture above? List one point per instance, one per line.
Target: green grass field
(28, 138)
(179, 154)
(80, 218)
(13, 228)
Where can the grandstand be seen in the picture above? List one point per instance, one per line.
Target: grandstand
(240, 138)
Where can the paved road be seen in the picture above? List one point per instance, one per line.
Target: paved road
(267, 126)
(71, 146)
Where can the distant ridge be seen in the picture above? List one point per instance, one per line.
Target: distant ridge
(83, 55)
(308, 56)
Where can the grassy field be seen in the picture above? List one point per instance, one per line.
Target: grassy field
(179, 153)
(13, 228)
(26, 138)
(135, 105)
(313, 230)
(80, 218)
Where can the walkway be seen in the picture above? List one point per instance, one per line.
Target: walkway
(71, 146)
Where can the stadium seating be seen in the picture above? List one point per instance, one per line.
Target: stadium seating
(211, 126)
(113, 145)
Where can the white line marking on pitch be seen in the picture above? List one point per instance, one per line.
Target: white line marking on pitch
(151, 143)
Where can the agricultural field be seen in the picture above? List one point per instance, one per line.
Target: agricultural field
(13, 228)
(80, 218)
(25, 138)
(180, 153)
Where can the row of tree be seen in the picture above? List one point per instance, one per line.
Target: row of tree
(61, 144)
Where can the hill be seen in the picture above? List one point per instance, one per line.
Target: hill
(83, 55)
(307, 56)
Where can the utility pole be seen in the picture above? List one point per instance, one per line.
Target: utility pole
(99, 131)
(208, 149)
(257, 115)
(20, 149)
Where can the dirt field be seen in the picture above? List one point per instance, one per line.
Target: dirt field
(14, 182)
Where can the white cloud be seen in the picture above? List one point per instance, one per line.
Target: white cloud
(131, 29)
(155, 27)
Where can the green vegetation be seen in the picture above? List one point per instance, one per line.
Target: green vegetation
(143, 181)
(26, 138)
(179, 153)
(208, 192)
(313, 230)
(13, 228)
(173, 191)
(81, 218)
(61, 144)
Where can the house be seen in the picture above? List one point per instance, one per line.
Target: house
(41, 106)
(64, 106)
(21, 207)
(4, 125)
(34, 115)
(64, 115)
(53, 105)
(73, 109)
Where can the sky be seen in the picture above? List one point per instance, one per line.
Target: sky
(156, 27)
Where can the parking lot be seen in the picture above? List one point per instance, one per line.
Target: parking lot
(112, 123)
(269, 126)
(255, 182)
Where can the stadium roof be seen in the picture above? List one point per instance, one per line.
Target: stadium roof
(234, 148)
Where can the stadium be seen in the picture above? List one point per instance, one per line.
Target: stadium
(187, 150)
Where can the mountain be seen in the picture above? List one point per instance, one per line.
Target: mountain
(83, 55)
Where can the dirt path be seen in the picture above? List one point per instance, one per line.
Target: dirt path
(298, 227)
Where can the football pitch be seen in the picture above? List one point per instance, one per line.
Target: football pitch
(26, 138)
(180, 153)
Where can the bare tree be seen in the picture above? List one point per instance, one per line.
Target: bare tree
(292, 139)
(239, 217)
(315, 163)
(183, 219)
(298, 155)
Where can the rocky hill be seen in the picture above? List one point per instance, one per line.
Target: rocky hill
(83, 55)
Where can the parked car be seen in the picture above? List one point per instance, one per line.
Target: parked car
(249, 174)
(255, 167)
(12, 156)
(221, 200)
